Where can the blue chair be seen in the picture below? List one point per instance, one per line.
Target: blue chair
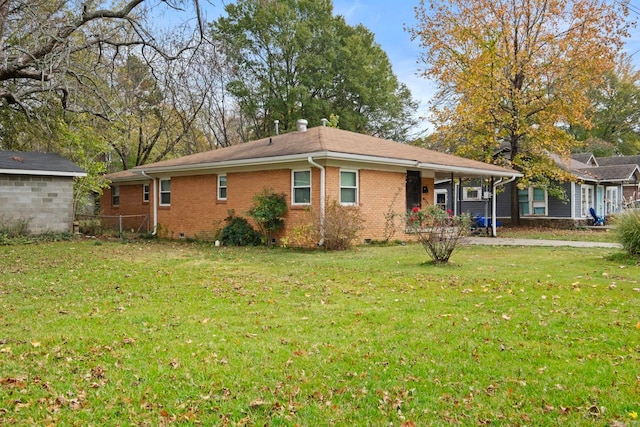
(597, 220)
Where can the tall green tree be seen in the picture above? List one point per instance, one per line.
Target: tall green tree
(517, 73)
(294, 59)
(615, 112)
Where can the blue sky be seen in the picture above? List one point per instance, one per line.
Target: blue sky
(387, 20)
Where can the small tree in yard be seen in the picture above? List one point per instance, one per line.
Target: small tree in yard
(439, 232)
(628, 231)
(268, 212)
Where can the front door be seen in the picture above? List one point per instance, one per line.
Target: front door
(413, 189)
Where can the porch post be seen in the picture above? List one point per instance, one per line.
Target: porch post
(494, 220)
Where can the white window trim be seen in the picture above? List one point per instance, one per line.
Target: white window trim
(357, 187)
(146, 188)
(531, 202)
(446, 198)
(611, 206)
(293, 187)
(584, 207)
(115, 192)
(220, 187)
(160, 193)
(465, 194)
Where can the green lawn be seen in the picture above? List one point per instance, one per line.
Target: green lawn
(156, 333)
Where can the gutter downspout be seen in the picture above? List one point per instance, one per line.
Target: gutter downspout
(155, 203)
(494, 233)
(322, 196)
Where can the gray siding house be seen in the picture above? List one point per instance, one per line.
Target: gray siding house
(37, 188)
(606, 184)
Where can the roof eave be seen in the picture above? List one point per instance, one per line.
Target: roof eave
(387, 161)
(42, 173)
(470, 171)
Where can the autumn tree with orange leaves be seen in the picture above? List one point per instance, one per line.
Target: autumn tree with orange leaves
(514, 74)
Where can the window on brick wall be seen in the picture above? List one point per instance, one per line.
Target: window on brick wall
(348, 187)
(222, 187)
(301, 187)
(145, 193)
(115, 196)
(165, 192)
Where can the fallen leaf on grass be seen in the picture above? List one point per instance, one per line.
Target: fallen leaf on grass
(256, 403)
(18, 382)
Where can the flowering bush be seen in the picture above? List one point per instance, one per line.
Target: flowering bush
(439, 231)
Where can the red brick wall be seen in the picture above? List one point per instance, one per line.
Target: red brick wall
(196, 212)
(131, 203)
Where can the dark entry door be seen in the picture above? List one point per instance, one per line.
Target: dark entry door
(413, 189)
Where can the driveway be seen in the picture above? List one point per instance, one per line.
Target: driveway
(502, 241)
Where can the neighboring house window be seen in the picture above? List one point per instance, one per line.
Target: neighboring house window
(348, 187)
(145, 193)
(588, 199)
(441, 199)
(115, 196)
(611, 204)
(222, 187)
(301, 187)
(533, 201)
(471, 193)
(165, 192)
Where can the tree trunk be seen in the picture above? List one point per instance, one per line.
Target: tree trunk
(515, 206)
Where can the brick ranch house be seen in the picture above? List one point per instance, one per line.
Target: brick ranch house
(191, 196)
(37, 188)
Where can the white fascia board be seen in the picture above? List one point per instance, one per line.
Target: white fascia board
(41, 173)
(469, 171)
(277, 160)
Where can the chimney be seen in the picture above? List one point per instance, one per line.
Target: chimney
(302, 125)
(276, 123)
(324, 122)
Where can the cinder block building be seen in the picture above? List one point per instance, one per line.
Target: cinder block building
(37, 188)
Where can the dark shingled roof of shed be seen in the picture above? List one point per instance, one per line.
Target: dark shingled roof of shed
(22, 161)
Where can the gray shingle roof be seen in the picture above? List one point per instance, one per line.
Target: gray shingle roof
(29, 163)
(618, 160)
(612, 172)
(584, 157)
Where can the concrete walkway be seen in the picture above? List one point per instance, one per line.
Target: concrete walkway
(502, 241)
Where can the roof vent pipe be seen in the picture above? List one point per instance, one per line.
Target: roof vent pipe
(302, 125)
(324, 122)
(277, 122)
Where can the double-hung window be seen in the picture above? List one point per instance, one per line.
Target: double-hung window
(165, 192)
(588, 199)
(533, 201)
(348, 187)
(115, 196)
(222, 187)
(145, 193)
(611, 201)
(301, 187)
